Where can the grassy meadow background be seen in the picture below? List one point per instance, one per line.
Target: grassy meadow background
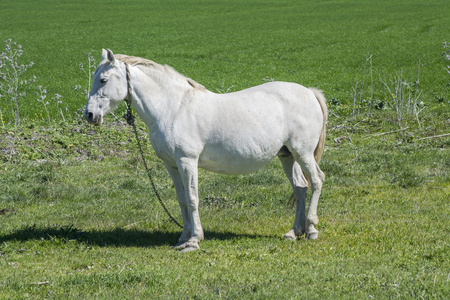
(234, 44)
(77, 217)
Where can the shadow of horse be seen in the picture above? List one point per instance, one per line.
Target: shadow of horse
(116, 237)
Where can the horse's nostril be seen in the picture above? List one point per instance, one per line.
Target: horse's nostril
(89, 116)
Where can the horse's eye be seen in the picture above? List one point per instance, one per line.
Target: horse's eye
(104, 80)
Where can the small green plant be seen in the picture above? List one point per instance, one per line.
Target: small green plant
(359, 92)
(84, 92)
(446, 54)
(42, 93)
(42, 96)
(405, 96)
(89, 72)
(13, 87)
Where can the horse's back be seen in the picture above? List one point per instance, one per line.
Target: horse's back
(280, 108)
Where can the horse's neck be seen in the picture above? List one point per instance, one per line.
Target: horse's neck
(152, 98)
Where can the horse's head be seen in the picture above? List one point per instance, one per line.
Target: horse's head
(109, 87)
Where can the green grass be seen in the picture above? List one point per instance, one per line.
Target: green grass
(233, 44)
(77, 215)
(85, 222)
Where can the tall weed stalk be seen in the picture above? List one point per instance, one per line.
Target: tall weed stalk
(13, 87)
(446, 54)
(358, 93)
(405, 96)
(89, 72)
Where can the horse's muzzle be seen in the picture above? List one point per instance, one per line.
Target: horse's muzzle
(92, 118)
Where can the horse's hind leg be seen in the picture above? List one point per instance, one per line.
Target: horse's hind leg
(300, 187)
(316, 177)
(312, 170)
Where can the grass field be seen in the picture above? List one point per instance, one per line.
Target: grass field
(230, 45)
(77, 217)
(78, 220)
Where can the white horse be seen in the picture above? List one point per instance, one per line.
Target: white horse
(235, 133)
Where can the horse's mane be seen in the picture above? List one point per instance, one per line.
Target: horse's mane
(138, 61)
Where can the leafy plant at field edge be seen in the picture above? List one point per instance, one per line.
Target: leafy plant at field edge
(89, 72)
(446, 53)
(11, 82)
(405, 97)
(367, 69)
(43, 95)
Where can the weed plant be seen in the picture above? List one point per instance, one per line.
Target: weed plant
(13, 86)
(446, 54)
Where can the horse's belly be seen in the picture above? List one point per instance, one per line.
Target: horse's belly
(235, 162)
(232, 167)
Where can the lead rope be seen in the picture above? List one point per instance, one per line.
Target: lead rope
(130, 120)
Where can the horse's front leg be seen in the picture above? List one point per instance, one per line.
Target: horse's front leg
(179, 188)
(188, 171)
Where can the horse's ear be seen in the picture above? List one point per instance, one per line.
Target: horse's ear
(104, 54)
(109, 55)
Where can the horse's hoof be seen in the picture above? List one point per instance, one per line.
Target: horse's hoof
(312, 236)
(179, 246)
(291, 236)
(190, 249)
(187, 246)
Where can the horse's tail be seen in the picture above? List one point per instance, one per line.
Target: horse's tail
(323, 105)
(321, 145)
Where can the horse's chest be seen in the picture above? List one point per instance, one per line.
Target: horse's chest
(162, 146)
(169, 146)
